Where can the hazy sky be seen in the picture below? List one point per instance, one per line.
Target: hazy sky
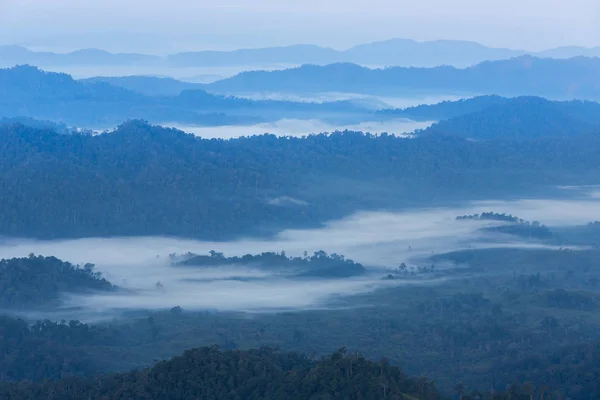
(162, 26)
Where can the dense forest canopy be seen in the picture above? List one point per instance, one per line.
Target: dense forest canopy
(40, 281)
(49, 350)
(144, 180)
(209, 373)
(320, 264)
(521, 119)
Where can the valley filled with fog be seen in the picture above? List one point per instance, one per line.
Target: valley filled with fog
(145, 268)
(299, 128)
(300, 222)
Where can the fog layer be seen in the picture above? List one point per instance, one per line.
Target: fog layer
(378, 240)
(298, 128)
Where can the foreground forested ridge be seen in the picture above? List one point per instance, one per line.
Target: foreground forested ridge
(507, 316)
(209, 373)
(49, 350)
(259, 374)
(143, 180)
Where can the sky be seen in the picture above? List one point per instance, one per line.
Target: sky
(160, 26)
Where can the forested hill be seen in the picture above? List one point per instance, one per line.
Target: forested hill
(208, 373)
(445, 109)
(266, 374)
(523, 118)
(144, 180)
(588, 111)
(40, 281)
(526, 75)
(320, 264)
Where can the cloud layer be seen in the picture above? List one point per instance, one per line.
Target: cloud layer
(378, 240)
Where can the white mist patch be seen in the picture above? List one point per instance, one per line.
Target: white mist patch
(376, 239)
(299, 128)
(378, 102)
(234, 295)
(287, 201)
(188, 74)
(551, 212)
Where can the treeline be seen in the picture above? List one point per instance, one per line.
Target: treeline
(522, 118)
(145, 180)
(49, 350)
(209, 373)
(491, 216)
(320, 264)
(41, 281)
(515, 225)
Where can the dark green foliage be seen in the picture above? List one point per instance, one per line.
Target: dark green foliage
(147, 180)
(508, 315)
(40, 281)
(48, 350)
(208, 373)
(320, 264)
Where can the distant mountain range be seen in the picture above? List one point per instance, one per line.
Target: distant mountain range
(577, 77)
(147, 85)
(29, 92)
(393, 52)
(16, 55)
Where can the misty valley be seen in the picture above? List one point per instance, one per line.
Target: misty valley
(457, 294)
(397, 220)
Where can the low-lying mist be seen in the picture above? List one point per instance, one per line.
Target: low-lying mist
(379, 240)
(299, 128)
(379, 101)
(188, 74)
